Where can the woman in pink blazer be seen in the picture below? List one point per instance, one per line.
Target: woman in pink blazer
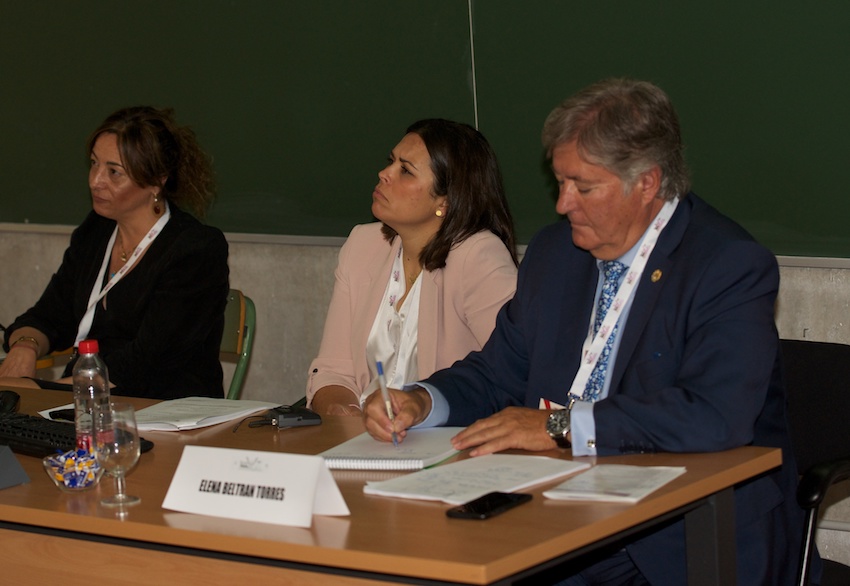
(421, 288)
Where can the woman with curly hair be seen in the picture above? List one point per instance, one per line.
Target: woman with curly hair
(142, 276)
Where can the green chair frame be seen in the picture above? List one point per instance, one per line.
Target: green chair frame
(240, 320)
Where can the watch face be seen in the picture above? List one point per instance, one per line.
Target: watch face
(558, 424)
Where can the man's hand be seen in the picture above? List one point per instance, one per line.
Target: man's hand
(512, 428)
(409, 407)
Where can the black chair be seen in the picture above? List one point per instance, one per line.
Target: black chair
(817, 378)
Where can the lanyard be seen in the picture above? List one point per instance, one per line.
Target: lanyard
(594, 344)
(96, 293)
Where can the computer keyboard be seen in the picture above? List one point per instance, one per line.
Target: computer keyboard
(35, 436)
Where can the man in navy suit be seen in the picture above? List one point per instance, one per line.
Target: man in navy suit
(686, 358)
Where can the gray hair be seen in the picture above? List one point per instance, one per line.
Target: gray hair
(627, 127)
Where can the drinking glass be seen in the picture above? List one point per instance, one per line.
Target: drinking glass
(117, 449)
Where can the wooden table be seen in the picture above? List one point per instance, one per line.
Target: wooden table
(50, 535)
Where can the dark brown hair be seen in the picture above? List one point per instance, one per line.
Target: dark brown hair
(155, 150)
(467, 173)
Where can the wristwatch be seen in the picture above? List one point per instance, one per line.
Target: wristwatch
(558, 426)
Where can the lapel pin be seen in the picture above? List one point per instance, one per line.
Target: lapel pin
(656, 276)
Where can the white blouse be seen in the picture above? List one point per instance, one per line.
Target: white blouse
(394, 336)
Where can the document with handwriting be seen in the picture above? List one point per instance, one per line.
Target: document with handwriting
(462, 481)
(421, 448)
(616, 483)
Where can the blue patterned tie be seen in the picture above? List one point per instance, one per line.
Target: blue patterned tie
(612, 270)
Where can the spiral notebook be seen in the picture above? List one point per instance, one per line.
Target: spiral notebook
(420, 449)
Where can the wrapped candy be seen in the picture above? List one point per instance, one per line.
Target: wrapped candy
(76, 469)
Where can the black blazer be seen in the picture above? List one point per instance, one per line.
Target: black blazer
(161, 329)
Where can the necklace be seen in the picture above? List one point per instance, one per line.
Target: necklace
(412, 278)
(415, 269)
(123, 252)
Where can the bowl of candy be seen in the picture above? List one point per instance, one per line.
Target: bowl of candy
(73, 471)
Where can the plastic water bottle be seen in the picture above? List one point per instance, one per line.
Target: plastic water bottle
(91, 391)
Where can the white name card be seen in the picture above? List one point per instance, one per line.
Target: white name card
(269, 487)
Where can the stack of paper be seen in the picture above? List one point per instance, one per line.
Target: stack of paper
(462, 481)
(615, 483)
(195, 412)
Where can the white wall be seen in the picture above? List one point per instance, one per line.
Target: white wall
(290, 280)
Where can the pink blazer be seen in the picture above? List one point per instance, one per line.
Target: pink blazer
(457, 306)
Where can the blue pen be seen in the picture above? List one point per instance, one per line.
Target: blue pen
(386, 395)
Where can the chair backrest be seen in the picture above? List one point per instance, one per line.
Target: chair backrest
(817, 375)
(240, 319)
(817, 379)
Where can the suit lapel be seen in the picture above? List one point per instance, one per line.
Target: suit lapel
(563, 310)
(371, 288)
(430, 302)
(652, 282)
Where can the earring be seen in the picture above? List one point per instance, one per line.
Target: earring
(156, 208)
(439, 213)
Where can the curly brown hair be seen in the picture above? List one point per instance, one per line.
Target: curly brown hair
(156, 150)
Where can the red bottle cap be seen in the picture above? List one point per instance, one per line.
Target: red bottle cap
(88, 347)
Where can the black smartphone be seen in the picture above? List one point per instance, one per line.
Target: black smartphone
(488, 505)
(62, 414)
(286, 416)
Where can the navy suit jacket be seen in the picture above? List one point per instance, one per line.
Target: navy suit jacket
(697, 370)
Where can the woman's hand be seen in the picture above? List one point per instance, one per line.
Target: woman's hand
(340, 409)
(27, 344)
(19, 362)
(335, 400)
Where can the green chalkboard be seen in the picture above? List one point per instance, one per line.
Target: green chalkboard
(761, 90)
(299, 102)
